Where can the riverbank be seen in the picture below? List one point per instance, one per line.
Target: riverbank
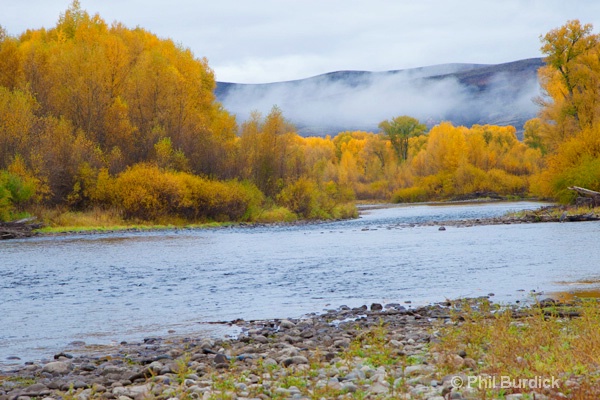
(549, 213)
(436, 352)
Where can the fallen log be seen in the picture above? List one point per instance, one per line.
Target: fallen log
(18, 229)
(589, 198)
(584, 191)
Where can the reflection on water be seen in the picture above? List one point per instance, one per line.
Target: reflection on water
(125, 286)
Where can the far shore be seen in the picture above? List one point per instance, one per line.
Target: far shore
(548, 212)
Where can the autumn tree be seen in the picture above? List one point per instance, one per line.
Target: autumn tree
(570, 81)
(265, 146)
(399, 130)
(88, 94)
(570, 116)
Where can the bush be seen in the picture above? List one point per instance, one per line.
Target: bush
(301, 197)
(145, 192)
(307, 199)
(14, 192)
(410, 195)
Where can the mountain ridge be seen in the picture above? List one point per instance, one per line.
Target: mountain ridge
(333, 102)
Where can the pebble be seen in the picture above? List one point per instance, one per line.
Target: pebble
(270, 359)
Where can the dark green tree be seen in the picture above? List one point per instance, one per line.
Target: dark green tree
(399, 130)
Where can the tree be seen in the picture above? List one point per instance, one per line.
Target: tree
(570, 81)
(532, 136)
(399, 130)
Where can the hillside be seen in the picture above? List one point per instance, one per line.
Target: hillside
(465, 94)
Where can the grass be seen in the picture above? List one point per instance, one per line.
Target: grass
(538, 343)
(57, 220)
(61, 220)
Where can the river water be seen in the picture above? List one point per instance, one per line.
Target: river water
(106, 288)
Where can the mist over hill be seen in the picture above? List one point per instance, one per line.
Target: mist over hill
(464, 94)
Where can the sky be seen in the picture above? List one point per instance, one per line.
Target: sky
(258, 41)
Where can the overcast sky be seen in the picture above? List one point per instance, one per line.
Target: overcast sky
(252, 41)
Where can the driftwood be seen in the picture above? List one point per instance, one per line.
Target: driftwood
(587, 197)
(18, 229)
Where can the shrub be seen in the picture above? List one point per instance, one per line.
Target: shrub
(145, 192)
(410, 195)
(14, 192)
(301, 197)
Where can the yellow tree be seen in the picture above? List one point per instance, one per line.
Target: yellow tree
(570, 80)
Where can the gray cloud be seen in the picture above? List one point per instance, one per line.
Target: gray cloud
(275, 40)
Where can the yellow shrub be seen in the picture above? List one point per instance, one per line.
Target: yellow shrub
(410, 195)
(147, 193)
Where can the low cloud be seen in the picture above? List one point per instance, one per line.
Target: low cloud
(351, 100)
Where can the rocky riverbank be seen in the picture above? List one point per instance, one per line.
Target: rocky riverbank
(361, 353)
(544, 214)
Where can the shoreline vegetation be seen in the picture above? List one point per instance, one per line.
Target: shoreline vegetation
(98, 222)
(461, 349)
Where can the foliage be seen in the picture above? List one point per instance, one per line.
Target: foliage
(109, 96)
(145, 192)
(457, 161)
(307, 200)
(17, 188)
(399, 130)
(540, 342)
(568, 128)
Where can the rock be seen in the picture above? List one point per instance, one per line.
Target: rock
(260, 339)
(349, 387)
(57, 368)
(442, 228)
(287, 324)
(355, 375)
(36, 390)
(342, 343)
(294, 360)
(376, 307)
(379, 388)
(79, 384)
(334, 384)
(456, 361)
(88, 367)
(413, 370)
(63, 355)
(283, 392)
(133, 391)
(221, 359)
(269, 361)
(470, 363)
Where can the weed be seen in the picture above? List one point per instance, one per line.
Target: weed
(537, 342)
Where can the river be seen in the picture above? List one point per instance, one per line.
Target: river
(106, 288)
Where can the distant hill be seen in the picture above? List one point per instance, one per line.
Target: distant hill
(464, 94)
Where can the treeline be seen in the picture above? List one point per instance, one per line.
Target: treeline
(86, 104)
(102, 116)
